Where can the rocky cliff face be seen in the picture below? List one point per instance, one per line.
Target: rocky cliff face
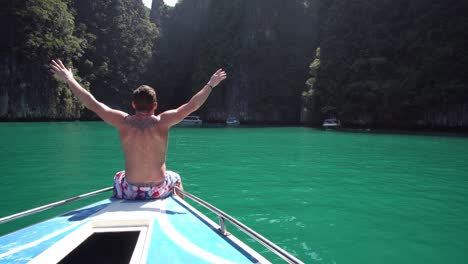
(173, 60)
(393, 63)
(27, 91)
(6, 64)
(389, 63)
(273, 39)
(264, 46)
(29, 94)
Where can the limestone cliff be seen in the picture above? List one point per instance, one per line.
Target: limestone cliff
(263, 45)
(27, 90)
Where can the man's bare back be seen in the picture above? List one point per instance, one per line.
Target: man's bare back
(144, 143)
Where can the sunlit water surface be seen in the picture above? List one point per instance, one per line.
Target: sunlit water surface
(325, 196)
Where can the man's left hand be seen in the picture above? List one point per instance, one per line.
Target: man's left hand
(217, 77)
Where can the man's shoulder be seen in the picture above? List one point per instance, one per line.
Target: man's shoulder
(165, 118)
(132, 122)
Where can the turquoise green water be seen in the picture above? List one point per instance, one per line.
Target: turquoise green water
(326, 196)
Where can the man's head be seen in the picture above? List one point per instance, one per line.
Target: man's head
(144, 99)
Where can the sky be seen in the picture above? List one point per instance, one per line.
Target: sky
(168, 2)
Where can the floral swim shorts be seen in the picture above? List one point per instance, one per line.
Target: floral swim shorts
(126, 190)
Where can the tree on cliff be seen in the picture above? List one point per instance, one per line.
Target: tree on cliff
(394, 62)
(310, 113)
(121, 38)
(44, 29)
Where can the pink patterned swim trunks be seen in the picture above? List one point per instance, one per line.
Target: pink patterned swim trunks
(126, 190)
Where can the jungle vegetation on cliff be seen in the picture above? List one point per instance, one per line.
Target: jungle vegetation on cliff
(374, 63)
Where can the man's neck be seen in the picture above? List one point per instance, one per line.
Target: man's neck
(143, 114)
(141, 120)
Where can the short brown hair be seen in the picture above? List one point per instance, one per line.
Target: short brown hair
(144, 97)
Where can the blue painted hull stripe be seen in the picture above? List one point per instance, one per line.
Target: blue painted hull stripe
(178, 235)
(23, 245)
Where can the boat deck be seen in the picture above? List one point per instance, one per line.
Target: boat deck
(170, 231)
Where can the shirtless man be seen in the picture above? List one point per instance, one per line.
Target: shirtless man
(143, 135)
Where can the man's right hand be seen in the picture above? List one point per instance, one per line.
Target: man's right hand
(217, 77)
(61, 71)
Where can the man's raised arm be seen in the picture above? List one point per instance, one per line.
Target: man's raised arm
(109, 115)
(172, 117)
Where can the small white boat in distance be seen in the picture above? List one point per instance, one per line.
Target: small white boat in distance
(331, 123)
(232, 121)
(191, 121)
